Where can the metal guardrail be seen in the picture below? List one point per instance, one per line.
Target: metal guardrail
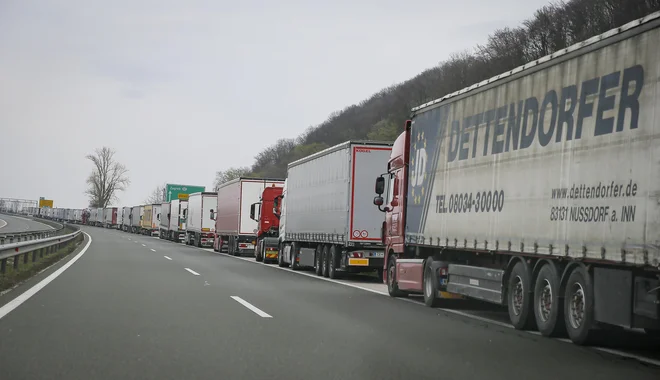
(40, 247)
(13, 237)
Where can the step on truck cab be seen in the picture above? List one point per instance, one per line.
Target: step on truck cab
(265, 214)
(200, 226)
(235, 231)
(499, 192)
(328, 222)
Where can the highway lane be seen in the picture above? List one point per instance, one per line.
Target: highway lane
(15, 224)
(145, 309)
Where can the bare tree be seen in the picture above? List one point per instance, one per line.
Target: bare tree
(229, 174)
(107, 178)
(157, 195)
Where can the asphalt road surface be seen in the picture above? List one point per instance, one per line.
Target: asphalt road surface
(14, 224)
(135, 307)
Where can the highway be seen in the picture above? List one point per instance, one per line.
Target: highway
(136, 307)
(15, 224)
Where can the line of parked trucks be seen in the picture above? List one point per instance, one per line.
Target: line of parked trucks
(536, 190)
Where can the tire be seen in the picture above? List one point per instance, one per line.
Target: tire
(332, 262)
(187, 239)
(392, 286)
(430, 287)
(579, 285)
(259, 256)
(230, 246)
(280, 257)
(199, 241)
(294, 255)
(654, 334)
(318, 260)
(548, 309)
(325, 261)
(519, 297)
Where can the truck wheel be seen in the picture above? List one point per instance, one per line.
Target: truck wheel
(519, 298)
(547, 305)
(318, 267)
(325, 261)
(187, 239)
(280, 257)
(392, 286)
(332, 262)
(230, 246)
(430, 287)
(294, 256)
(579, 306)
(258, 257)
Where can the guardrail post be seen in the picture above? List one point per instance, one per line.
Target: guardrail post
(34, 255)
(15, 262)
(41, 253)
(3, 266)
(25, 257)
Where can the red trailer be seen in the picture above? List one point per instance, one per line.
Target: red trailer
(110, 217)
(263, 212)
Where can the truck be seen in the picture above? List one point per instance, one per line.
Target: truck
(265, 213)
(164, 223)
(137, 212)
(99, 217)
(126, 219)
(149, 224)
(110, 217)
(78, 216)
(91, 220)
(177, 220)
(327, 221)
(534, 190)
(200, 227)
(235, 232)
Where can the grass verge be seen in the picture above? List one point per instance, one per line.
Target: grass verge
(12, 276)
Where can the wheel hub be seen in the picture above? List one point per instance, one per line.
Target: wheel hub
(545, 301)
(576, 315)
(517, 296)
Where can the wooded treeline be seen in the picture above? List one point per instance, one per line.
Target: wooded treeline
(381, 117)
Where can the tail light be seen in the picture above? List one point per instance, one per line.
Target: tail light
(242, 245)
(443, 271)
(357, 255)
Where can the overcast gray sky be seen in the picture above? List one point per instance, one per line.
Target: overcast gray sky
(184, 88)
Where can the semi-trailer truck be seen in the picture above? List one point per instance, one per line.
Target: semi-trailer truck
(234, 230)
(164, 223)
(149, 225)
(110, 217)
(177, 220)
(126, 219)
(200, 227)
(99, 217)
(327, 218)
(538, 190)
(268, 224)
(137, 212)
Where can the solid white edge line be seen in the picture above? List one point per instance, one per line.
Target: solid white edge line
(3, 221)
(624, 354)
(13, 304)
(192, 271)
(153, 250)
(144, 245)
(248, 305)
(167, 257)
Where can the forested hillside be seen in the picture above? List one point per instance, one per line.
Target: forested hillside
(381, 117)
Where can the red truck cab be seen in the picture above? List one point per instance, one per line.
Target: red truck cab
(265, 247)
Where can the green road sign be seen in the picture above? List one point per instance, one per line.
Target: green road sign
(179, 191)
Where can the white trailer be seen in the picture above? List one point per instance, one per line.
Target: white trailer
(99, 217)
(164, 222)
(327, 220)
(137, 212)
(177, 220)
(200, 226)
(77, 216)
(234, 229)
(126, 219)
(538, 190)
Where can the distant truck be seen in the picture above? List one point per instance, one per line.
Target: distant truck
(110, 217)
(99, 217)
(149, 224)
(268, 224)
(137, 213)
(177, 220)
(126, 219)
(91, 220)
(164, 223)
(535, 190)
(328, 221)
(234, 230)
(200, 227)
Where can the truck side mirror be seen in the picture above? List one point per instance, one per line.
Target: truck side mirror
(168, 215)
(380, 185)
(158, 216)
(378, 201)
(253, 212)
(212, 214)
